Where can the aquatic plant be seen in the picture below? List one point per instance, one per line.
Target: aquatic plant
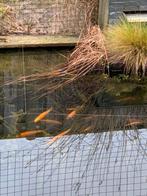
(127, 44)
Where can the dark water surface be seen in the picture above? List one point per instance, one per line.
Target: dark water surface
(21, 102)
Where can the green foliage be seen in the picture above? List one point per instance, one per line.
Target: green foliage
(127, 43)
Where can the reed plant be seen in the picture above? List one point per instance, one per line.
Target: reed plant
(127, 43)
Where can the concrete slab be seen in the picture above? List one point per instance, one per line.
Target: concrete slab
(19, 41)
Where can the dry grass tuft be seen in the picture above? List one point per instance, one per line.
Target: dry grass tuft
(90, 53)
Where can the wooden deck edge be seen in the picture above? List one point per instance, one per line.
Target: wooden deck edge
(26, 41)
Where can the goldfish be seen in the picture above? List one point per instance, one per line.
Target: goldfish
(134, 122)
(59, 136)
(71, 114)
(69, 109)
(42, 115)
(88, 129)
(125, 99)
(30, 133)
(52, 121)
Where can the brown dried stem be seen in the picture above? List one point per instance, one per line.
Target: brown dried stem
(90, 53)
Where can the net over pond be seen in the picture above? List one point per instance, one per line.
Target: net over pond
(75, 165)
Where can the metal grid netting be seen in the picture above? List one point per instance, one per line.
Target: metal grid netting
(77, 165)
(51, 17)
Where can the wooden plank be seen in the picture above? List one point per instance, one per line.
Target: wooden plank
(19, 41)
(103, 13)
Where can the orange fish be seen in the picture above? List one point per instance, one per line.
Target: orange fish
(58, 136)
(88, 129)
(134, 122)
(42, 115)
(69, 109)
(52, 121)
(125, 99)
(31, 133)
(71, 114)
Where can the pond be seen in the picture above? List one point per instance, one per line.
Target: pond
(105, 152)
(21, 102)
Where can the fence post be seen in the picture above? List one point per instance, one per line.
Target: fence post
(103, 13)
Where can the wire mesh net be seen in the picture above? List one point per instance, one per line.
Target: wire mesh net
(101, 163)
(91, 164)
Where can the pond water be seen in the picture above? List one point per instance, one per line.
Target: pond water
(102, 161)
(20, 102)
